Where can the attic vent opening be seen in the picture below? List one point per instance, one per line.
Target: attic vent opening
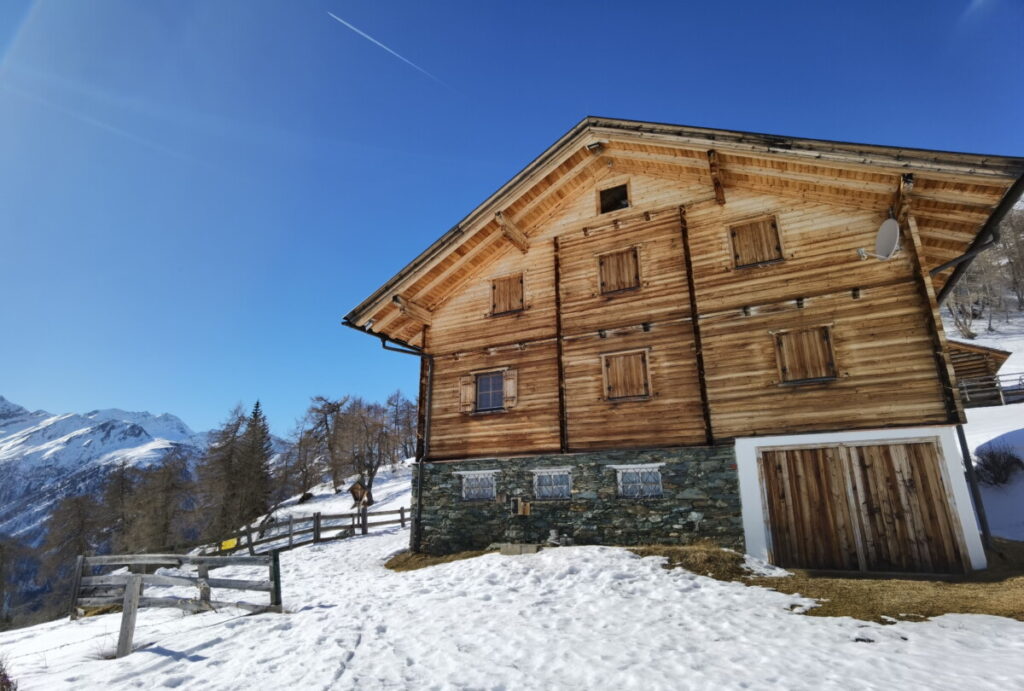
(614, 198)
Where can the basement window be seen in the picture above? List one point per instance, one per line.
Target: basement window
(805, 356)
(639, 481)
(552, 483)
(626, 376)
(619, 271)
(489, 391)
(613, 198)
(478, 485)
(507, 295)
(756, 242)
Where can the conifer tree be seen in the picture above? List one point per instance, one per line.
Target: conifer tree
(72, 529)
(116, 498)
(218, 472)
(256, 449)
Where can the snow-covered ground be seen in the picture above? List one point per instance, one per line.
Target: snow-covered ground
(1001, 426)
(567, 618)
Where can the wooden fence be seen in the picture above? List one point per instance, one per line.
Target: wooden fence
(91, 590)
(996, 389)
(285, 534)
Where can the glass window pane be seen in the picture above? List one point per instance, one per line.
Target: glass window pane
(490, 391)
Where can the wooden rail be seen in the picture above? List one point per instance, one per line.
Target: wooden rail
(286, 534)
(91, 590)
(995, 389)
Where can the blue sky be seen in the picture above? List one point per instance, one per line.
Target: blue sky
(193, 193)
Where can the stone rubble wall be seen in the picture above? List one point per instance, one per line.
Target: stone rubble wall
(700, 501)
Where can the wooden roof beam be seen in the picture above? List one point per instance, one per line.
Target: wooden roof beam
(413, 309)
(716, 179)
(511, 232)
(901, 198)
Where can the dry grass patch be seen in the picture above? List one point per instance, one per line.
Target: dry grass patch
(704, 558)
(410, 561)
(998, 591)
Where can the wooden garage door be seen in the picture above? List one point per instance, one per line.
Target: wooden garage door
(872, 507)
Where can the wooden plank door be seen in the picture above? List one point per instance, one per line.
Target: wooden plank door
(903, 508)
(872, 507)
(808, 511)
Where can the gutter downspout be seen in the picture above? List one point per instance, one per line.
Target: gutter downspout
(408, 349)
(988, 236)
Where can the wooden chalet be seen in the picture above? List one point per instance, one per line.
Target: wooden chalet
(658, 333)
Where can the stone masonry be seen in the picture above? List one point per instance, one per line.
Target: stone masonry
(700, 501)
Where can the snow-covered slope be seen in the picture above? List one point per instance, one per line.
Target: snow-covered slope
(567, 618)
(45, 457)
(1001, 426)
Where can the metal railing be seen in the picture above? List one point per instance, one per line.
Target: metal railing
(996, 389)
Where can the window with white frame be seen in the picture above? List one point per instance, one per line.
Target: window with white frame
(552, 483)
(478, 485)
(639, 481)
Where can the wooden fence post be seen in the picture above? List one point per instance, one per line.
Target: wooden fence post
(76, 585)
(401, 515)
(316, 527)
(248, 535)
(275, 577)
(132, 593)
(204, 586)
(291, 530)
(363, 518)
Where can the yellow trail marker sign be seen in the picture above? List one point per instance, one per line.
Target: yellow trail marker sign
(229, 544)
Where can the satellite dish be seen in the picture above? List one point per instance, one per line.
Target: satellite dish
(887, 241)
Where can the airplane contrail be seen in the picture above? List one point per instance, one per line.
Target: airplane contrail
(375, 41)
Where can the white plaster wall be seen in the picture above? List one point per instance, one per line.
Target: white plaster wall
(755, 525)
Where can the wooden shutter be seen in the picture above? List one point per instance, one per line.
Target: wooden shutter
(756, 242)
(619, 271)
(626, 375)
(511, 388)
(805, 355)
(467, 393)
(507, 294)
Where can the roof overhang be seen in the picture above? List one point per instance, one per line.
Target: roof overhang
(960, 194)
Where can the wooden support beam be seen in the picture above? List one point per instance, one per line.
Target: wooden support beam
(709, 430)
(511, 232)
(901, 200)
(947, 376)
(413, 309)
(716, 178)
(563, 418)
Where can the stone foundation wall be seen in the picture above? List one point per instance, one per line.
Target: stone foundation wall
(700, 501)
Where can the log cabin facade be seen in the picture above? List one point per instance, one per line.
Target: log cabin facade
(658, 333)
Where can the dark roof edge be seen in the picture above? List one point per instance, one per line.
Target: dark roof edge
(976, 346)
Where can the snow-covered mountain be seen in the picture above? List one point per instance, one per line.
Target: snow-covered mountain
(45, 457)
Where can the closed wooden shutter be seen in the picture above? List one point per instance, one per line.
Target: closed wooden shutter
(507, 294)
(467, 393)
(619, 271)
(626, 375)
(805, 355)
(511, 382)
(756, 242)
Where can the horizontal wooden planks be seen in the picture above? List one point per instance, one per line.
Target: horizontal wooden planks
(531, 426)
(819, 252)
(883, 357)
(670, 416)
(465, 321)
(661, 295)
